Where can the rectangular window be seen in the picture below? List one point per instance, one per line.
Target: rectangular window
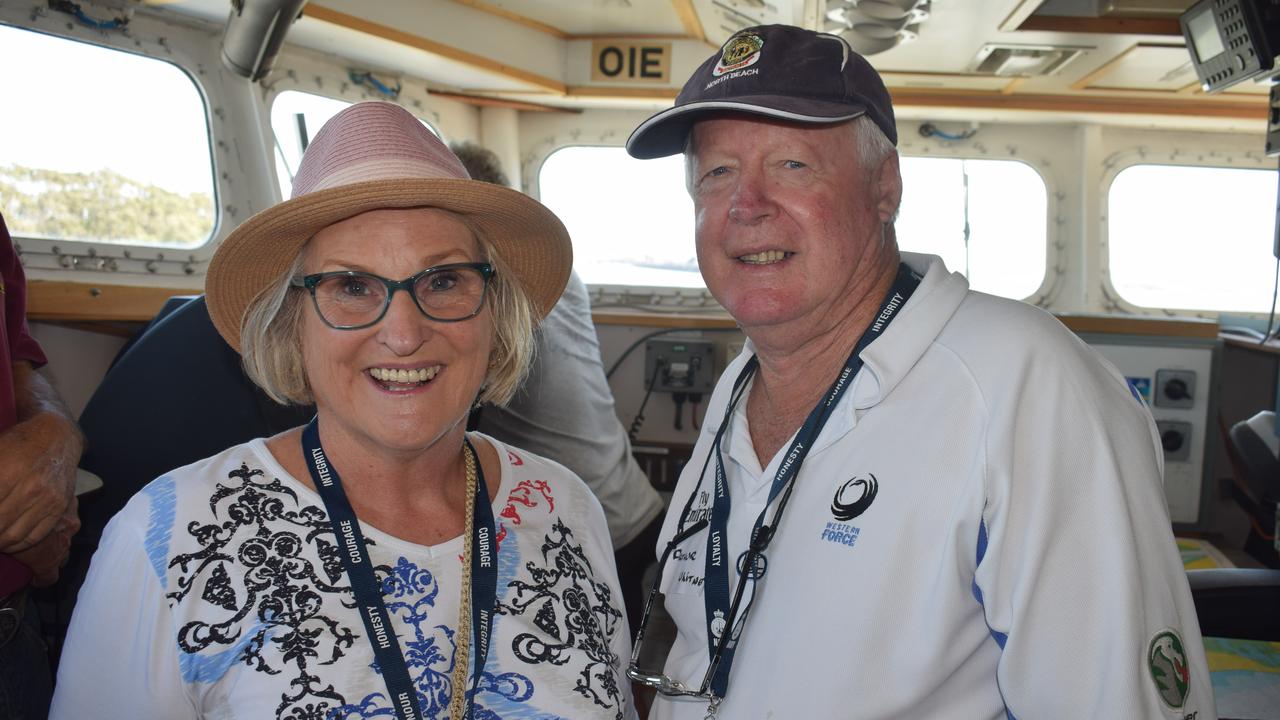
(632, 220)
(1192, 237)
(100, 145)
(987, 219)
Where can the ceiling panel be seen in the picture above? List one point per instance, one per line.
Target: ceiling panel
(375, 53)
(722, 18)
(1144, 67)
(590, 17)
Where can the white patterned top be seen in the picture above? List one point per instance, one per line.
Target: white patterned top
(218, 592)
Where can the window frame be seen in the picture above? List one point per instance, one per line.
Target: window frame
(160, 42)
(1117, 162)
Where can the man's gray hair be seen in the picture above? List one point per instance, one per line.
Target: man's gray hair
(873, 146)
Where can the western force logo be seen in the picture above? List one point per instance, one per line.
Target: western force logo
(854, 497)
(740, 52)
(1167, 663)
(841, 533)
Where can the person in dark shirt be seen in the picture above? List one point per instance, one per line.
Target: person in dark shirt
(39, 448)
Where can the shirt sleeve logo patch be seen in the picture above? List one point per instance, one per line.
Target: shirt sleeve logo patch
(1167, 663)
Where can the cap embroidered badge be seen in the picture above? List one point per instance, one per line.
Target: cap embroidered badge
(741, 51)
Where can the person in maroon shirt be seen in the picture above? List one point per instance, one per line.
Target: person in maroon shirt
(39, 448)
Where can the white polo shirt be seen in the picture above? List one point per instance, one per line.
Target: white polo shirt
(1016, 560)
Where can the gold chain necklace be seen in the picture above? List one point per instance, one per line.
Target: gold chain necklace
(462, 653)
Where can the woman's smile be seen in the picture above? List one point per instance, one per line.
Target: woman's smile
(401, 380)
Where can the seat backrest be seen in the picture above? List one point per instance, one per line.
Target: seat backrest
(1257, 456)
(1241, 603)
(176, 395)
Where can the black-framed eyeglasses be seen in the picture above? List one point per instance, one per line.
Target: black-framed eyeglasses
(351, 300)
(730, 630)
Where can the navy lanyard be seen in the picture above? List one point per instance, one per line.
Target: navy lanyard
(368, 595)
(721, 613)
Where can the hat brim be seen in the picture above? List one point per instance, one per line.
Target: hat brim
(665, 133)
(528, 238)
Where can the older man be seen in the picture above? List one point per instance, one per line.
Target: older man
(909, 500)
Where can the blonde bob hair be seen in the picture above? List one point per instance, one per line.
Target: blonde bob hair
(271, 349)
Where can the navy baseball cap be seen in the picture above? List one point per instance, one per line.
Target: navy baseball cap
(777, 71)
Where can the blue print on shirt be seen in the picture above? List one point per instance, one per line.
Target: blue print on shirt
(506, 696)
(410, 593)
(210, 668)
(160, 528)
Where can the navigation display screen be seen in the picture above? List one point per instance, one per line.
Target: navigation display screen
(1204, 35)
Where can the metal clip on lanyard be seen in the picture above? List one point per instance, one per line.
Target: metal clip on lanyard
(722, 645)
(368, 594)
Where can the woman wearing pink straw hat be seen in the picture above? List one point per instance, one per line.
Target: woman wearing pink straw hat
(380, 561)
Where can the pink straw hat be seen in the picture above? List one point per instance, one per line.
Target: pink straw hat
(376, 155)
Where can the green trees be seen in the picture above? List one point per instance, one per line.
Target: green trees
(101, 206)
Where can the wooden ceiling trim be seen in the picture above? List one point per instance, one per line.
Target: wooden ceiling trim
(630, 36)
(933, 73)
(351, 22)
(689, 18)
(1174, 105)
(515, 18)
(1103, 25)
(490, 101)
(1013, 86)
(627, 93)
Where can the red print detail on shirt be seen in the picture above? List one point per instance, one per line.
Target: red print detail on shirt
(524, 494)
(514, 458)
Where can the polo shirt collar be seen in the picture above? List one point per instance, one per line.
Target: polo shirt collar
(886, 361)
(891, 357)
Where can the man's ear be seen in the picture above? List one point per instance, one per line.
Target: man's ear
(887, 182)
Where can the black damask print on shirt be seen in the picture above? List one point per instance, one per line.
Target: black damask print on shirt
(261, 533)
(575, 614)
